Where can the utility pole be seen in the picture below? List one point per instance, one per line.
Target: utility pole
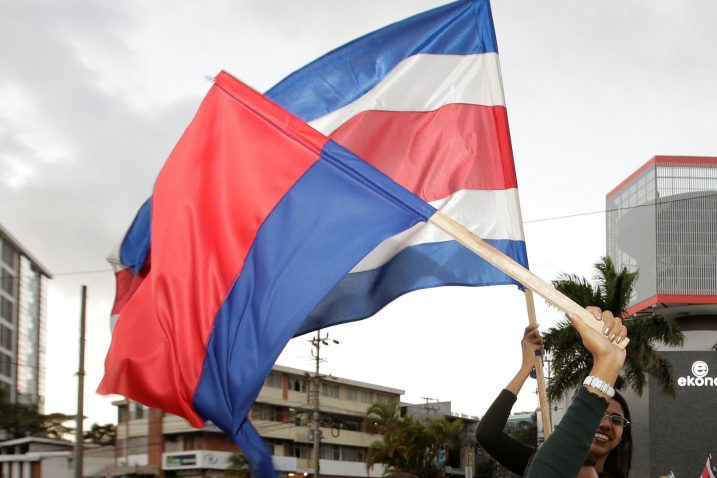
(316, 392)
(79, 418)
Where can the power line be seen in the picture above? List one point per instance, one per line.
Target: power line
(528, 221)
(624, 208)
(74, 273)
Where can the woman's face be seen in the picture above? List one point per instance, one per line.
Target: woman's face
(608, 436)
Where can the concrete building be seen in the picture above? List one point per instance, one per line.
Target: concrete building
(152, 442)
(662, 221)
(35, 457)
(166, 445)
(23, 288)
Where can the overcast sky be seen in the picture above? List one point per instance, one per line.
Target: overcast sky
(94, 94)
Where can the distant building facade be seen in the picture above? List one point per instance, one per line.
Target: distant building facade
(154, 443)
(166, 445)
(23, 290)
(662, 221)
(37, 457)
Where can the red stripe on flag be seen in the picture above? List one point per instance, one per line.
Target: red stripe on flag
(417, 150)
(233, 164)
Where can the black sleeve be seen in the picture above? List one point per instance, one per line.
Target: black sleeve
(562, 455)
(505, 449)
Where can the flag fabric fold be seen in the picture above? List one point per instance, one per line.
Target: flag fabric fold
(422, 101)
(244, 245)
(238, 249)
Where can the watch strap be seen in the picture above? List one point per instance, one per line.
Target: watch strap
(599, 384)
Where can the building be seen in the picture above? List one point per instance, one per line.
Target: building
(35, 457)
(166, 445)
(23, 289)
(152, 442)
(662, 221)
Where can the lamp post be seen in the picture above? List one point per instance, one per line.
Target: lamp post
(316, 342)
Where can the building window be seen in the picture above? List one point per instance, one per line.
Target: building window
(5, 337)
(9, 255)
(263, 412)
(366, 396)
(354, 454)
(6, 309)
(383, 399)
(300, 450)
(5, 365)
(122, 416)
(273, 380)
(8, 281)
(330, 390)
(351, 394)
(297, 385)
(330, 452)
(137, 410)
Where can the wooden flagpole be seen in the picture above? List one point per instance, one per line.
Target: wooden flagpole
(539, 375)
(532, 282)
(516, 271)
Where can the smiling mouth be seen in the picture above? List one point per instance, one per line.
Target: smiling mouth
(601, 437)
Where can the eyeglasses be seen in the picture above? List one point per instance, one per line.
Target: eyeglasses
(617, 420)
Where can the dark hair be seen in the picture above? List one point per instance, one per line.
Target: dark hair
(618, 461)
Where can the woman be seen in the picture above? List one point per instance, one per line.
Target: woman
(611, 447)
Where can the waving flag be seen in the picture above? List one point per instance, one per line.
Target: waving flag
(244, 245)
(421, 100)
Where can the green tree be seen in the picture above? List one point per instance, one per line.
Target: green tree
(20, 420)
(526, 431)
(409, 446)
(570, 362)
(238, 466)
(101, 434)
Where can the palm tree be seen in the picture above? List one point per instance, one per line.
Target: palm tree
(570, 362)
(409, 446)
(238, 466)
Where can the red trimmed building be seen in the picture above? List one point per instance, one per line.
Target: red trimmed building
(662, 221)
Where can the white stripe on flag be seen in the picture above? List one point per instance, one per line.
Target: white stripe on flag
(426, 82)
(490, 214)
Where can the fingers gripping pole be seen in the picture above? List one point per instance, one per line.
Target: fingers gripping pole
(516, 271)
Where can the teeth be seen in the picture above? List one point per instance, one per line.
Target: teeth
(601, 437)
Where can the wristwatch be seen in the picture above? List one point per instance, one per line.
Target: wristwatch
(599, 384)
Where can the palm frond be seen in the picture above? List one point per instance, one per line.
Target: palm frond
(611, 291)
(578, 289)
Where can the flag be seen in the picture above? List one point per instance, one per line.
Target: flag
(244, 245)
(421, 100)
(710, 470)
(669, 475)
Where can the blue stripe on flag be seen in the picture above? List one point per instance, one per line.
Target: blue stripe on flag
(347, 73)
(362, 294)
(320, 229)
(135, 245)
